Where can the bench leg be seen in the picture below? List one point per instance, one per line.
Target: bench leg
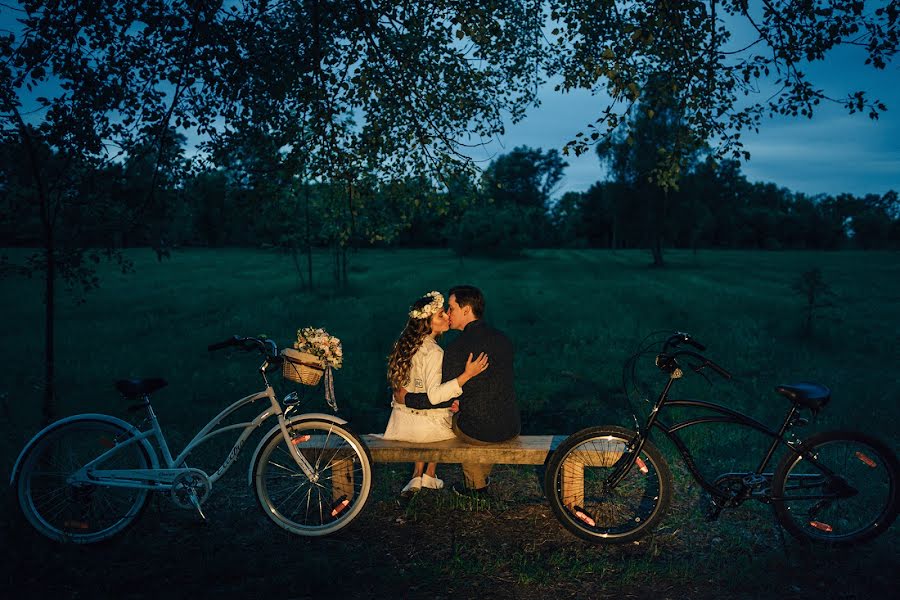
(342, 478)
(572, 484)
(340, 474)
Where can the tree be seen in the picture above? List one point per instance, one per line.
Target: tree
(82, 87)
(718, 57)
(91, 82)
(650, 157)
(521, 183)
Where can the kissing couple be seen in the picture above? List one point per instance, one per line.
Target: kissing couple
(464, 392)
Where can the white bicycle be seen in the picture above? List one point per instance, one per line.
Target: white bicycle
(86, 477)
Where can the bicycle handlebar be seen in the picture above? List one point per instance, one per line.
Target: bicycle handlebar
(234, 340)
(679, 338)
(704, 362)
(266, 347)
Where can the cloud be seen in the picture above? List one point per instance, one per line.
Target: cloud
(830, 153)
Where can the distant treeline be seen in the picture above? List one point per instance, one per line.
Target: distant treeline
(509, 207)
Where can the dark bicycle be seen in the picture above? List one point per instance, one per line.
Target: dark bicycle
(609, 484)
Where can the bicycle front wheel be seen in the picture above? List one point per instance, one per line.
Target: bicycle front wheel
(335, 494)
(75, 511)
(844, 492)
(576, 485)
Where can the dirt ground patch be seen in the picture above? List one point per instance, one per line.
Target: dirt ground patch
(436, 546)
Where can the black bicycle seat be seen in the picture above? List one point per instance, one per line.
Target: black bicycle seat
(135, 388)
(811, 395)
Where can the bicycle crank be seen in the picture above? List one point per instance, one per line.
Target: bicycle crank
(190, 488)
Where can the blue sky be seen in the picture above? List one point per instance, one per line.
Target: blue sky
(831, 153)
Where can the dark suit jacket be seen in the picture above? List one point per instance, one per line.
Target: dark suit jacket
(487, 408)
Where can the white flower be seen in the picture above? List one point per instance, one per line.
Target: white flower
(435, 306)
(321, 344)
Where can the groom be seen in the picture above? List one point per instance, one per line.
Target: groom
(487, 408)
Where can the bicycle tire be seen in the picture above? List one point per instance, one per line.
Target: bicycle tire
(331, 502)
(861, 461)
(624, 514)
(79, 513)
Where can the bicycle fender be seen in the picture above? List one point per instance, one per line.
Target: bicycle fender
(83, 417)
(288, 423)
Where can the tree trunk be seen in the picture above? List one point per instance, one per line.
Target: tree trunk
(336, 266)
(656, 250)
(309, 264)
(295, 256)
(48, 408)
(657, 231)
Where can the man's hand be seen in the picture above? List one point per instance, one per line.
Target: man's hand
(400, 395)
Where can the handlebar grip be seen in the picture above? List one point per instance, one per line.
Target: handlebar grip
(695, 344)
(227, 343)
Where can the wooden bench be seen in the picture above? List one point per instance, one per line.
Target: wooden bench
(523, 450)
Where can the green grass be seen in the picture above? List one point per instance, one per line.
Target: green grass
(574, 316)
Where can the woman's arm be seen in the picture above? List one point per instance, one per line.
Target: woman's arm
(440, 393)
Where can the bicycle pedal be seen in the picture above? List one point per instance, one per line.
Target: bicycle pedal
(196, 502)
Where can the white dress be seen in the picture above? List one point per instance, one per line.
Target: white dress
(432, 425)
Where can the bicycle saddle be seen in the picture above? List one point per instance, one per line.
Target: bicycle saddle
(811, 395)
(135, 388)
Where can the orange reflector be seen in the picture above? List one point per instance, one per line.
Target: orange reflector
(75, 525)
(339, 506)
(821, 526)
(866, 460)
(584, 516)
(106, 442)
(642, 465)
(300, 439)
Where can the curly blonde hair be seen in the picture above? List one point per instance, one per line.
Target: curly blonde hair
(411, 338)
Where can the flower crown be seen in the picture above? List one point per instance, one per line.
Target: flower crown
(433, 307)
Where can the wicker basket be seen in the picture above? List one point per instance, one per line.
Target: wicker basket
(301, 367)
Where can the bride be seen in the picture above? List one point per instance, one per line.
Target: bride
(415, 363)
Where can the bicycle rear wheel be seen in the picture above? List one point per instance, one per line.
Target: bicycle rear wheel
(575, 484)
(78, 512)
(333, 497)
(858, 502)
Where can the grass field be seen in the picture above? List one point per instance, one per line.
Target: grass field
(574, 317)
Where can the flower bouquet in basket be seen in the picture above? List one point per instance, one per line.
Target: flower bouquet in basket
(315, 351)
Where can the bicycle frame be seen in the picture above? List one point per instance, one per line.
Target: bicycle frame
(170, 468)
(723, 415)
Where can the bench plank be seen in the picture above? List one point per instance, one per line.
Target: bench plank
(523, 450)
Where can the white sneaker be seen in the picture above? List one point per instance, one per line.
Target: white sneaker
(414, 485)
(432, 483)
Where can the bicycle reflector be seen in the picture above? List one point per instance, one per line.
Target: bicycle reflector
(75, 525)
(582, 514)
(642, 465)
(866, 460)
(339, 505)
(821, 526)
(108, 443)
(300, 439)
